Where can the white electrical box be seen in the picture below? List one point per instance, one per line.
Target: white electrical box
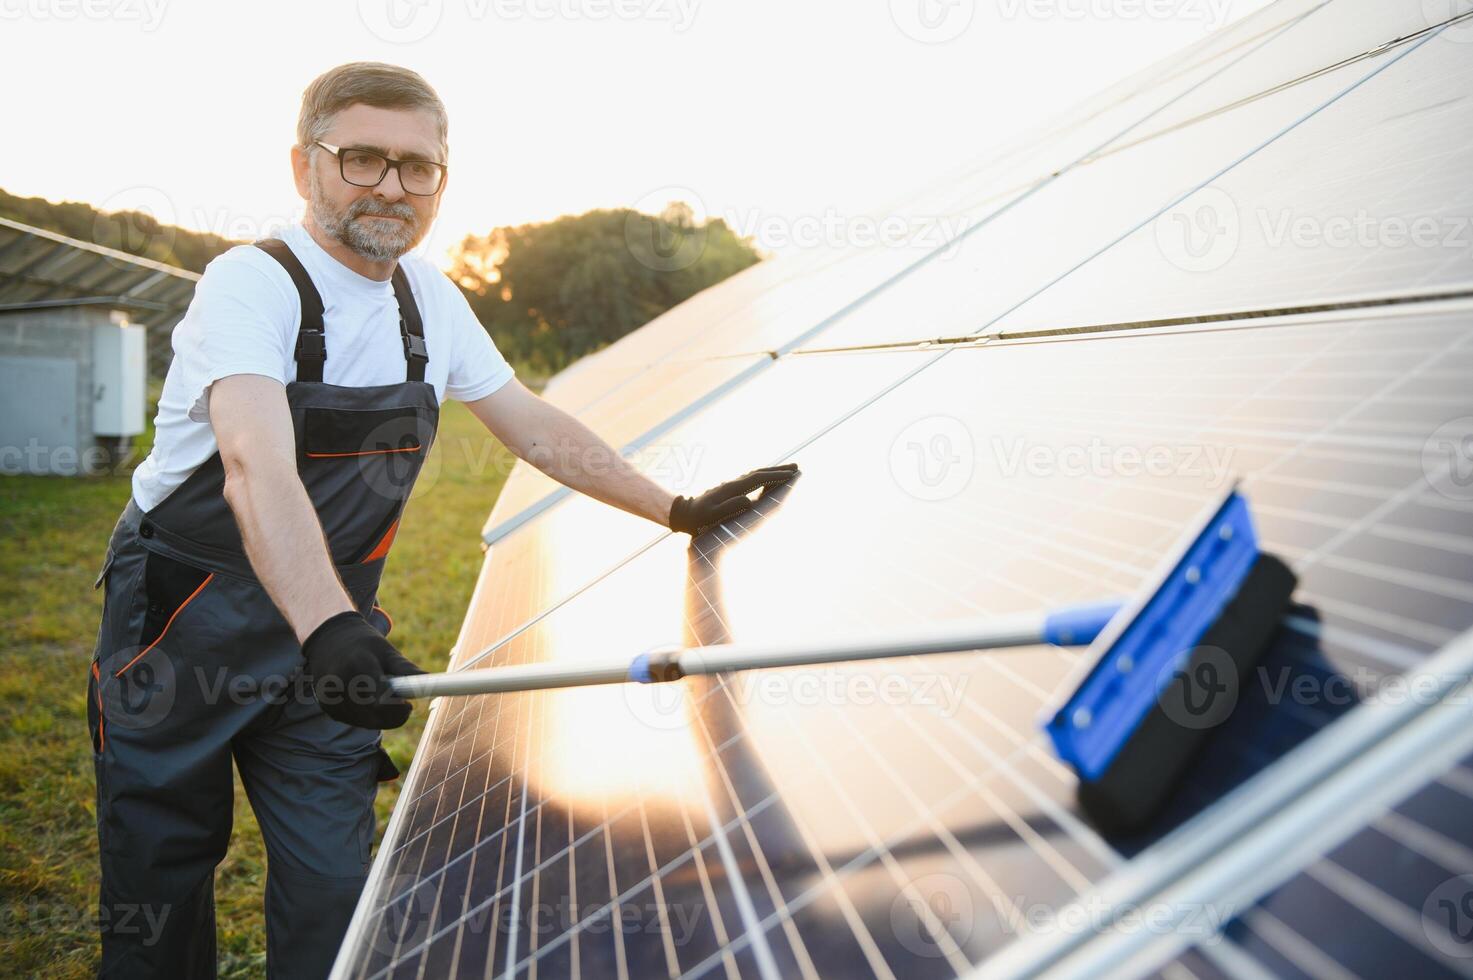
(119, 375)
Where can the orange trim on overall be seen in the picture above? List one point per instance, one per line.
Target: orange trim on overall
(382, 548)
(101, 735)
(366, 452)
(164, 632)
(386, 614)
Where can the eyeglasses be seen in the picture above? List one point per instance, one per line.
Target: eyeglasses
(365, 168)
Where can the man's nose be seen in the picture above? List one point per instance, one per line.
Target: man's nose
(390, 187)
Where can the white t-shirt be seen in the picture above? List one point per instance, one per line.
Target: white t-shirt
(243, 320)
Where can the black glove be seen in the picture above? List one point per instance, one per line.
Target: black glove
(351, 663)
(694, 514)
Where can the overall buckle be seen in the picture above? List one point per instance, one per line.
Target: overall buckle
(312, 345)
(414, 347)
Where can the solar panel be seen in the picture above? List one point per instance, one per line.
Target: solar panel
(955, 290)
(630, 406)
(1348, 913)
(783, 302)
(1088, 209)
(905, 817)
(1104, 119)
(722, 336)
(630, 767)
(1331, 35)
(41, 269)
(1362, 201)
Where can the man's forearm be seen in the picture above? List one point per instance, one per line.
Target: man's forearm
(571, 453)
(291, 559)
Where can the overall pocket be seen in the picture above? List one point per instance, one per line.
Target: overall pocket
(328, 432)
(107, 566)
(169, 586)
(95, 726)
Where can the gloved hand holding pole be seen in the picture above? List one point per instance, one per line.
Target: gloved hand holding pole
(351, 663)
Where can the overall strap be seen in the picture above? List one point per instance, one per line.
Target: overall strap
(411, 327)
(311, 348)
(311, 345)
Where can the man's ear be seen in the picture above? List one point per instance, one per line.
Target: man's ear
(301, 171)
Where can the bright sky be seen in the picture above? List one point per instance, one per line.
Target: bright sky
(759, 109)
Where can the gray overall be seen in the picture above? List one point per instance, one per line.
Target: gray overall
(195, 666)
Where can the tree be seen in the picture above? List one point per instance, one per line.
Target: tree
(551, 292)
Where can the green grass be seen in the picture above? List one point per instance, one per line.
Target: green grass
(53, 536)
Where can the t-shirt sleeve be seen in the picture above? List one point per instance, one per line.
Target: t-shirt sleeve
(477, 367)
(237, 323)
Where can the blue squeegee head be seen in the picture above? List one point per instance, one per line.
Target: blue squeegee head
(1139, 654)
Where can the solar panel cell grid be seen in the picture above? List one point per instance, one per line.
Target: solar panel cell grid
(1005, 261)
(964, 290)
(1362, 200)
(831, 814)
(1122, 111)
(904, 817)
(1329, 35)
(631, 407)
(941, 298)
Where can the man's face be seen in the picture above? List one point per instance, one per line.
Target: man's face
(379, 223)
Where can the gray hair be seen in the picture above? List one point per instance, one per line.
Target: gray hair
(369, 83)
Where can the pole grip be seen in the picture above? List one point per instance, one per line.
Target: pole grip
(502, 680)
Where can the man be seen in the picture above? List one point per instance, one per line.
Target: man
(239, 618)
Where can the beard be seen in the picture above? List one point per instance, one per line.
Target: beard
(377, 241)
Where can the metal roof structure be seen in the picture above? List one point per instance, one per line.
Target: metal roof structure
(41, 269)
(1252, 261)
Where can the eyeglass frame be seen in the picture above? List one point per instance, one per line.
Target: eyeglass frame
(389, 164)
